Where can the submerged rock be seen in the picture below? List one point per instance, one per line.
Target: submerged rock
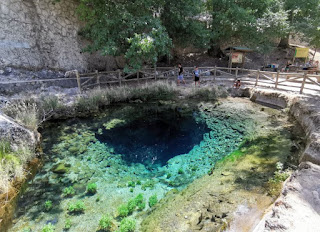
(60, 168)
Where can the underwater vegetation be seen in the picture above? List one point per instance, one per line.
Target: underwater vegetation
(115, 169)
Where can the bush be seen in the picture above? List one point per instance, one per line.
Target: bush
(131, 205)
(48, 205)
(180, 171)
(78, 207)
(127, 225)
(153, 200)
(48, 228)
(140, 202)
(68, 191)
(92, 188)
(123, 210)
(50, 103)
(105, 223)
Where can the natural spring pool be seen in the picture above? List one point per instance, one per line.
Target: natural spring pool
(148, 149)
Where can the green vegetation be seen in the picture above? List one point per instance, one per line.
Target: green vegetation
(68, 191)
(127, 225)
(131, 184)
(48, 228)
(131, 190)
(153, 200)
(137, 203)
(180, 171)
(48, 205)
(77, 207)
(27, 229)
(148, 184)
(123, 210)
(275, 183)
(92, 188)
(138, 182)
(67, 224)
(105, 223)
(169, 175)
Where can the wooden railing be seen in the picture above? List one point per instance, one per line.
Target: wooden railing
(257, 77)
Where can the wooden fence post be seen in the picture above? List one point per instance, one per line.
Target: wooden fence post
(98, 79)
(236, 73)
(119, 77)
(303, 82)
(258, 75)
(277, 79)
(78, 81)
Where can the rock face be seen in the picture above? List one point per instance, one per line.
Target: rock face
(298, 208)
(16, 134)
(43, 34)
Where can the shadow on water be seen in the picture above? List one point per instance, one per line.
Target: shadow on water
(156, 138)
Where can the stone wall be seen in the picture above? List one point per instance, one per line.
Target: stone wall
(42, 34)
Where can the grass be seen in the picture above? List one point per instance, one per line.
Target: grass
(12, 164)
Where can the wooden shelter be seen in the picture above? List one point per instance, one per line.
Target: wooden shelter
(237, 55)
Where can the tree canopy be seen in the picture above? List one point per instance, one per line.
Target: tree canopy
(144, 30)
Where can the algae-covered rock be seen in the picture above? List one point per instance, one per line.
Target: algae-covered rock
(60, 168)
(113, 123)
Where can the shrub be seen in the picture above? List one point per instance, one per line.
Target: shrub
(180, 171)
(68, 191)
(67, 224)
(92, 188)
(48, 205)
(50, 103)
(169, 175)
(123, 210)
(131, 190)
(48, 228)
(105, 223)
(127, 225)
(138, 182)
(153, 200)
(78, 207)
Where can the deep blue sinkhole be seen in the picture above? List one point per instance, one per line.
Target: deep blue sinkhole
(154, 138)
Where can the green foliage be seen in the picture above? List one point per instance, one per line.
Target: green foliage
(48, 228)
(131, 184)
(140, 202)
(131, 190)
(123, 210)
(138, 182)
(77, 207)
(67, 224)
(131, 205)
(48, 205)
(105, 223)
(92, 188)
(68, 191)
(26, 229)
(275, 183)
(148, 184)
(153, 200)
(127, 225)
(180, 171)
(169, 175)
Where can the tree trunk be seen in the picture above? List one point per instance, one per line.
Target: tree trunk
(284, 42)
(215, 51)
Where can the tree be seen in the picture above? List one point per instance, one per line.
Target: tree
(302, 16)
(142, 30)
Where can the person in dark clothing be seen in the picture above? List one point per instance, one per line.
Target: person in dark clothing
(180, 74)
(196, 76)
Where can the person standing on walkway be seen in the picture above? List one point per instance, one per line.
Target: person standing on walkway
(196, 76)
(180, 74)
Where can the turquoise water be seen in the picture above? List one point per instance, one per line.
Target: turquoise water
(126, 150)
